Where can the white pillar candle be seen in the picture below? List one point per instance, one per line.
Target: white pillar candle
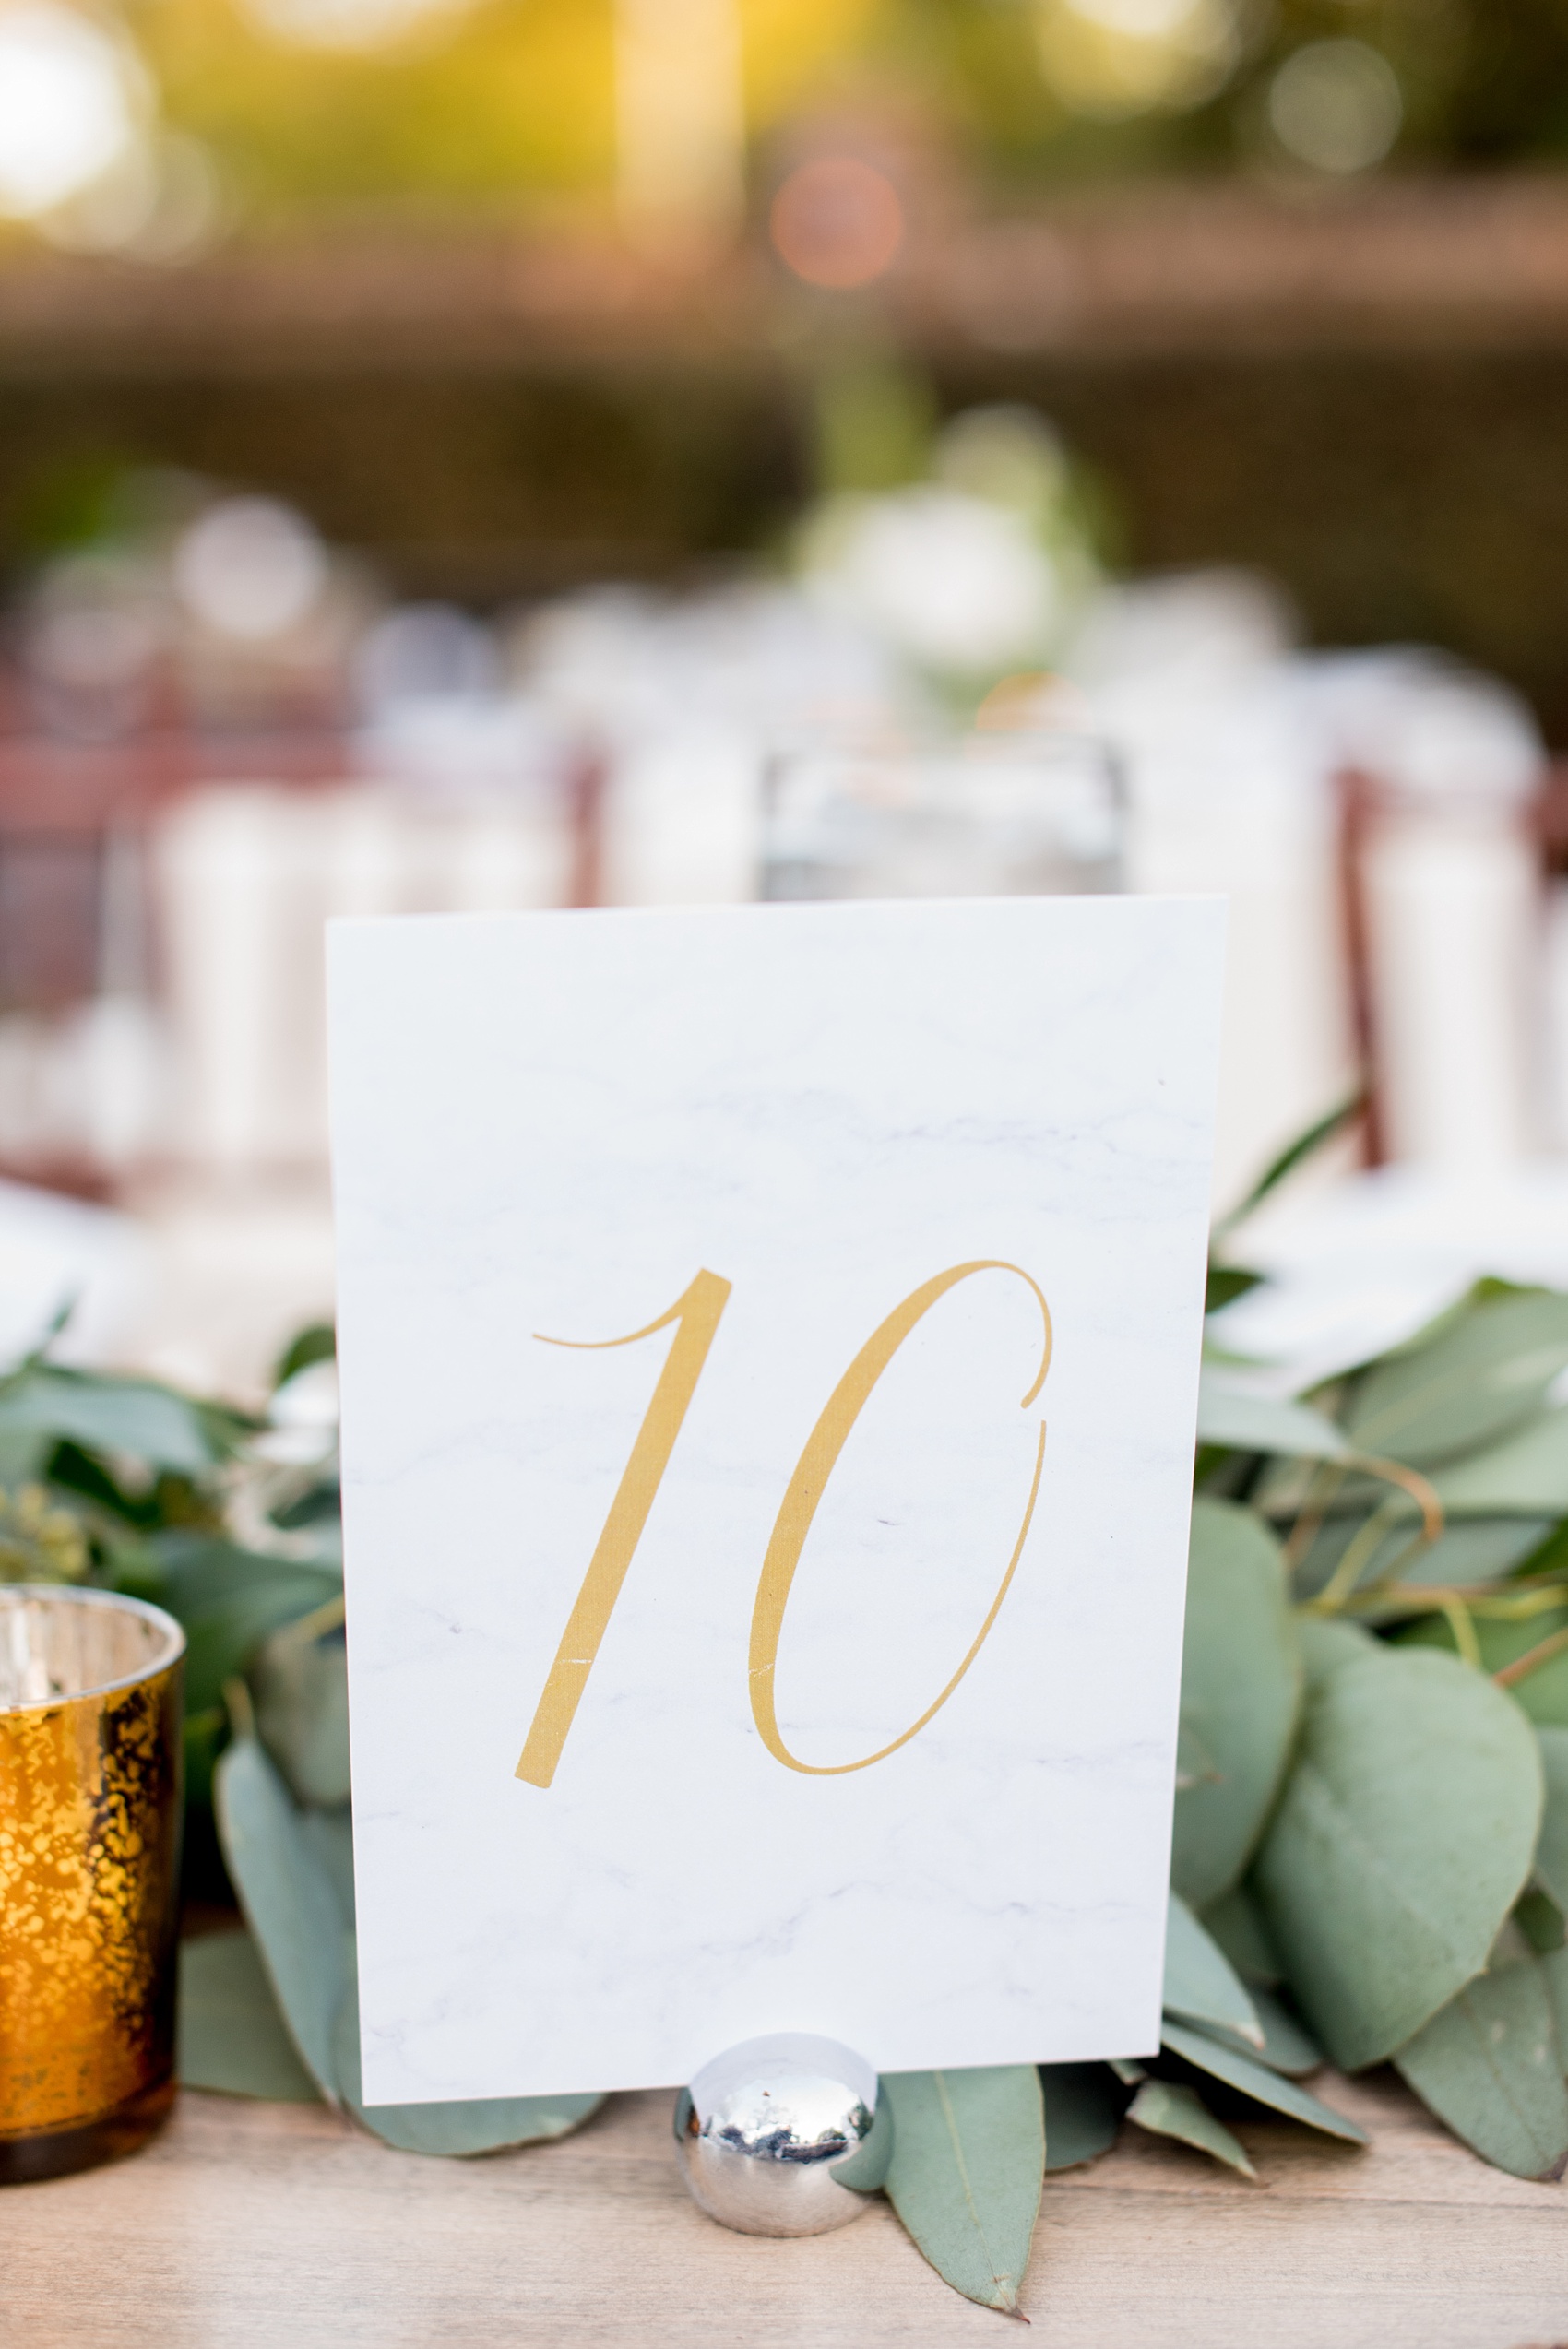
(217, 872)
(508, 854)
(248, 876)
(1451, 890)
(1453, 923)
(1555, 919)
(1230, 795)
(681, 820)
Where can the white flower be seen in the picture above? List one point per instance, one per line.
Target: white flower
(954, 582)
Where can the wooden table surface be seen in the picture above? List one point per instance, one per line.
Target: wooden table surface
(248, 2226)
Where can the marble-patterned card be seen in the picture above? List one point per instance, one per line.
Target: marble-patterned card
(770, 1343)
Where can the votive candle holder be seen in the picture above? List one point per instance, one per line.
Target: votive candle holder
(90, 1702)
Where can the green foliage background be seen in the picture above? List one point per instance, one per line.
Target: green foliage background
(514, 99)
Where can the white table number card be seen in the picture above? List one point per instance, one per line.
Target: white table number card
(769, 1341)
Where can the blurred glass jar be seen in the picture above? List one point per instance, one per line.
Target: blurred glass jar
(90, 1690)
(993, 815)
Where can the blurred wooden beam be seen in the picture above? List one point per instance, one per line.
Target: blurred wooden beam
(1189, 267)
(1390, 264)
(418, 300)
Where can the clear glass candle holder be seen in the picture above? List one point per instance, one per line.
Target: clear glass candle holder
(90, 1698)
(992, 815)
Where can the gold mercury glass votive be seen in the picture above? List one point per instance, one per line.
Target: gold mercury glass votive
(89, 1857)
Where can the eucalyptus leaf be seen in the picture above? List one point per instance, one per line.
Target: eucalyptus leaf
(289, 1899)
(1226, 1282)
(1200, 1981)
(24, 1454)
(317, 1342)
(1512, 1943)
(1287, 2046)
(228, 1601)
(293, 1871)
(205, 1734)
(1490, 2065)
(483, 2124)
(1084, 2104)
(1405, 1835)
(127, 1416)
(1195, 1766)
(1231, 1414)
(222, 1638)
(866, 2169)
(1482, 1369)
(1522, 1475)
(1541, 1921)
(320, 1504)
(1551, 1851)
(1169, 2110)
(1258, 2080)
(1543, 1692)
(1233, 1921)
(969, 2161)
(1526, 1475)
(1305, 1145)
(202, 1571)
(129, 1498)
(1554, 1966)
(1240, 1689)
(1475, 1549)
(329, 1838)
(1326, 1643)
(1553, 1555)
(232, 2037)
(300, 1681)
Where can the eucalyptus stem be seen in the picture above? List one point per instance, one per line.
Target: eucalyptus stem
(1360, 1552)
(1532, 1659)
(1337, 1590)
(1482, 1599)
(1461, 1623)
(1321, 1484)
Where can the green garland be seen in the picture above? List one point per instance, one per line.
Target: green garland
(1370, 1845)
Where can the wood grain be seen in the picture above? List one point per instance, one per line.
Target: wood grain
(253, 2226)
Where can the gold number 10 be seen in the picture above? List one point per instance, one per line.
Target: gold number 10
(695, 1315)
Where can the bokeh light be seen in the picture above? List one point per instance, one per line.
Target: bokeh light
(1108, 59)
(424, 652)
(160, 200)
(837, 221)
(89, 641)
(70, 95)
(346, 24)
(1337, 105)
(250, 569)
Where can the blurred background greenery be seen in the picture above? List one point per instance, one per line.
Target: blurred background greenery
(510, 295)
(308, 104)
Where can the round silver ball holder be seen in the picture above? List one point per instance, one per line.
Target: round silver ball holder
(784, 2135)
